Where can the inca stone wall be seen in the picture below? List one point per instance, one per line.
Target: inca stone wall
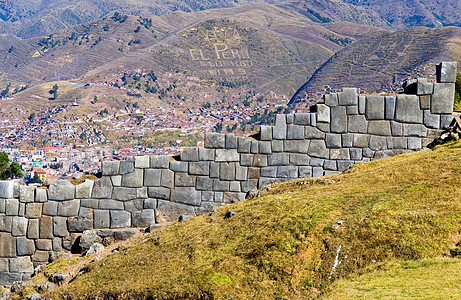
(137, 192)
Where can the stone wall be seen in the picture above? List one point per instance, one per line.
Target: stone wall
(142, 190)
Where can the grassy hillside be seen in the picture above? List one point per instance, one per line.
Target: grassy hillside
(298, 238)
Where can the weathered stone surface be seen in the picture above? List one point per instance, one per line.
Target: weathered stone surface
(378, 143)
(19, 226)
(214, 167)
(265, 133)
(126, 166)
(84, 190)
(230, 197)
(317, 172)
(446, 121)
(310, 132)
(241, 173)
(330, 164)
(220, 186)
(290, 118)
(390, 107)
(348, 96)
(6, 189)
(414, 143)
(24, 246)
(295, 132)
(186, 195)
(199, 168)
(152, 176)
(399, 142)
(189, 154)
(407, 109)
(22, 209)
(317, 148)
(368, 153)
(423, 87)
(101, 219)
(60, 226)
(12, 207)
(203, 184)
(50, 208)
(40, 257)
(218, 197)
(299, 159)
(111, 204)
(234, 186)
(347, 140)
(142, 162)
(254, 147)
(61, 190)
(297, 146)
(279, 131)
(425, 101)
(170, 211)
(323, 113)
(339, 153)
(362, 104)
(44, 245)
(333, 141)
(110, 167)
(374, 109)
(143, 218)
(116, 180)
(204, 154)
(226, 155)
(259, 160)
(356, 153)
(7, 245)
(33, 229)
(287, 172)
(5, 223)
(305, 171)
(150, 203)
(102, 188)
(313, 119)
(249, 185)
(179, 166)
(183, 180)
(338, 119)
(159, 161)
(230, 141)
(331, 99)
(159, 192)
(68, 208)
(227, 171)
(215, 140)
(40, 195)
(442, 99)
(396, 129)
(21, 264)
(265, 147)
(133, 179)
(125, 234)
(254, 173)
(269, 172)
(134, 205)
(124, 194)
(33, 210)
(243, 145)
(141, 193)
(26, 194)
(207, 196)
(414, 130)
(352, 110)
(89, 238)
(379, 128)
(446, 71)
(324, 127)
(120, 219)
(344, 165)
(302, 119)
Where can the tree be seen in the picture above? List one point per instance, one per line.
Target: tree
(9, 170)
(218, 127)
(54, 91)
(31, 117)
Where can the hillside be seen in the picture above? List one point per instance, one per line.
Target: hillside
(297, 238)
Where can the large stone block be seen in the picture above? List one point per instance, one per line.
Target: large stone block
(7, 245)
(19, 226)
(396, 128)
(83, 190)
(297, 146)
(317, 172)
(101, 219)
(230, 197)
(339, 154)
(254, 147)
(33, 229)
(143, 218)
(5, 223)
(227, 155)
(12, 207)
(348, 96)
(311, 132)
(305, 172)
(102, 188)
(347, 140)
(278, 159)
(186, 195)
(33, 210)
(204, 184)
(189, 154)
(204, 154)
(220, 186)
(124, 194)
(333, 141)
(26, 194)
(231, 141)
(142, 162)
(69, 208)
(60, 227)
(317, 148)
(24, 246)
(111, 204)
(362, 105)
(279, 131)
(302, 119)
(390, 107)
(241, 173)
(227, 171)
(199, 168)
(331, 99)
(243, 146)
(178, 166)
(313, 119)
(331, 165)
(110, 167)
(265, 147)
(126, 166)
(446, 72)
(159, 192)
(40, 195)
(269, 172)
(425, 102)
(215, 140)
(399, 143)
(260, 160)
(446, 121)
(352, 110)
(265, 133)
(46, 227)
(378, 143)
(152, 176)
(299, 159)
(375, 107)
(414, 130)
(338, 119)
(159, 161)
(133, 179)
(61, 190)
(295, 132)
(356, 153)
(21, 264)
(407, 109)
(120, 219)
(379, 128)
(442, 99)
(50, 208)
(116, 180)
(183, 179)
(44, 245)
(6, 189)
(287, 172)
(170, 211)
(423, 87)
(323, 113)
(414, 143)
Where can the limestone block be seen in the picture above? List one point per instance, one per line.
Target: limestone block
(110, 167)
(159, 161)
(414, 130)
(425, 102)
(189, 154)
(227, 171)
(199, 168)
(313, 119)
(230, 141)
(287, 172)
(5, 223)
(150, 203)
(152, 176)
(230, 197)
(368, 153)
(290, 118)
(226, 155)
(396, 128)
(215, 140)
(414, 143)
(24, 246)
(265, 181)
(249, 185)
(57, 244)
(299, 159)
(323, 113)
(269, 172)
(204, 154)
(442, 99)
(423, 87)
(241, 173)
(124, 194)
(331, 99)
(297, 146)
(120, 219)
(407, 109)
(390, 107)
(33, 229)
(305, 172)
(343, 165)
(101, 219)
(317, 148)
(277, 146)
(338, 119)
(356, 153)
(176, 166)
(26, 194)
(254, 173)
(339, 153)
(2, 206)
(207, 196)
(362, 104)
(84, 190)
(61, 190)
(324, 127)
(68, 208)
(333, 141)
(446, 121)
(352, 110)
(141, 193)
(60, 227)
(265, 147)
(399, 143)
(302, 119)
(133, 179)
(265, 133)
(170, 211)
(311, 132)
(50, 208)
(183, 179)
(347, 140)
(44, 245)
(111, 204)
(7, 245)
(259, 160)
(159, 192)
(379, 128)
(40, 195)
(279, 131)
(219, 197)
(234, 186)
(134, 205)
(295, 132)
(143, 218)
(243, 145)
(116, 180)
(203, 184)
(214, 167)
(254, 148)
(33, 210)
(126, 167)
(374, 109)
(142, 162)
(378, 143)
(331, 164)
(446, 72)
(102, 188)
(348, 96)
(220, 186)
(21, 264)
(317, 172)
(186, 195)
(12, 207)
(22, 209)
(19, 226)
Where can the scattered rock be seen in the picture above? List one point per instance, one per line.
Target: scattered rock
(229, 214)
(17, 286)
(58, 278)
(95, 248)
(35, 296)
(88, 238)
(125, 234)
(45, 286)
(183, 218)
(39, 268)
(54, 256)
(106, 241)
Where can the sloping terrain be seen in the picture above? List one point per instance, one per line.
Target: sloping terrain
(295, 239)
